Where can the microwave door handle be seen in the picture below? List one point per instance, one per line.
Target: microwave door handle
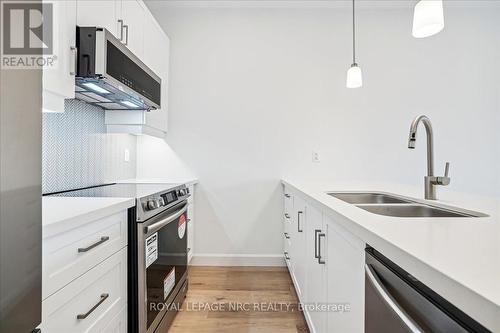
(160, 224)
(391, 302)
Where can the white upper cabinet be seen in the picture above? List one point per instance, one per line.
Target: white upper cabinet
(123, 18)
(59, 79)
(132, 13)
(156, 56)
(100, 13)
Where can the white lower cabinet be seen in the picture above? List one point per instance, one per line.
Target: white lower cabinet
(93, 302)
(118, 324)
(316, 269)
(345, 285)
(298, 245)
(327, 268)
(70, 254)
(190, 224)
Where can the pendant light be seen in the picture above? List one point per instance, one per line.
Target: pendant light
(428, 18)
(354, 75)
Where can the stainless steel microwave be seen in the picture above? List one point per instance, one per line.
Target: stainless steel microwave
(109, 75)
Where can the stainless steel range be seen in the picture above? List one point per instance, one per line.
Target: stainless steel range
(157, 251)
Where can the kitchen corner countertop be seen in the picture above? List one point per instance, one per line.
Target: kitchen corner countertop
(63, 213)
(459, 258)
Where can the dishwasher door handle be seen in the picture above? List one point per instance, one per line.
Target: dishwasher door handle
(391, 302)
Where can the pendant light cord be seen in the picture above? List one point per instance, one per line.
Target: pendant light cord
(353, 34)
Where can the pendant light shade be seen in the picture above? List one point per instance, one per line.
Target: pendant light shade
(428, 18)
(354, 77)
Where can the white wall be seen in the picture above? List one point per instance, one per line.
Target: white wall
(253, 91)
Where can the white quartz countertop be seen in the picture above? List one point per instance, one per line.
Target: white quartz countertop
(459, 258)
(63, 213)
(186, 181)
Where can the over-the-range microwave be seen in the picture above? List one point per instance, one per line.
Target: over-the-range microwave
(109, 75)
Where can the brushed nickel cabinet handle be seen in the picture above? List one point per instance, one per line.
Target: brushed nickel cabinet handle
(287, 195)
(99, 242)
(320, 257)
(286, 256)
(74, 50)
(287, 236)
(125, 26)
(316, 232)
(298, 222)
(287, 216)
(121, 29)
(85, 315)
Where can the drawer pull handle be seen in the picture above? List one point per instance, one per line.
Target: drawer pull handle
(85, 249)
(287, 216)
(287, 195)
(286, 256)
(287, 236)
(85, 315)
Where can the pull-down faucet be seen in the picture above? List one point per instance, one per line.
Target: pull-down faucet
(431, 181)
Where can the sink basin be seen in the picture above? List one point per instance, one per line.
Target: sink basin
(368, 198)
(398, 206)
(414, 210)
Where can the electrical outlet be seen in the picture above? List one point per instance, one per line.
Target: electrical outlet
(315, 157)
(126, 155)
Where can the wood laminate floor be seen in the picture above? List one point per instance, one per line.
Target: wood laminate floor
(239, 300)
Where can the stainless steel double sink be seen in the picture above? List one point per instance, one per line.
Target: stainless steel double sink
(398, 206)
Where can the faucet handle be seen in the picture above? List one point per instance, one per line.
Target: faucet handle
(445, 180)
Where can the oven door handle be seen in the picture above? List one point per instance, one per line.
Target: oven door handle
(160, 224)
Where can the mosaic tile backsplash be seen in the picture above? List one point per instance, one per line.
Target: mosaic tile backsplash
(77, 152)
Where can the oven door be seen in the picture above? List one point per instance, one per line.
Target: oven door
(162, 256)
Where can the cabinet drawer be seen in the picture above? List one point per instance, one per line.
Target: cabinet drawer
(91, 302)
(70, 254)
(118, 324)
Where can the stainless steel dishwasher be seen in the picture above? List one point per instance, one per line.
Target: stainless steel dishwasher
(397, 302)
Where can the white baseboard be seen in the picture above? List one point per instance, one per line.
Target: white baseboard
(215, 259)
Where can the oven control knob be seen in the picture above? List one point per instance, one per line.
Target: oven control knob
(161, 202)
(152, 204)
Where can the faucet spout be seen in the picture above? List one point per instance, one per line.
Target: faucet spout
(412, 138)
(430, 181)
